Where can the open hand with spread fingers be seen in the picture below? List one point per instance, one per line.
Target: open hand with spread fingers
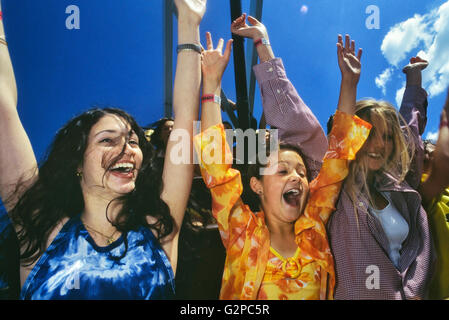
(348, 61)
(214, 62)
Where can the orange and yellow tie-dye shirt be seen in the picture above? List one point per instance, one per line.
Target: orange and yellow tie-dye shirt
(253, 270)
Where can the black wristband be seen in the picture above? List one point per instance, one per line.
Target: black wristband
(188, 46)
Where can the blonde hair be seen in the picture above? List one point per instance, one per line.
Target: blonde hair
(389, 120)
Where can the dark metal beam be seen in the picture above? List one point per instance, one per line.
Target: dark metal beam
(255, 10)
(226, 106)
(240, 71)
(168, 57)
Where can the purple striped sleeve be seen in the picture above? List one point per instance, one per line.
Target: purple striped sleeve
(285, 110)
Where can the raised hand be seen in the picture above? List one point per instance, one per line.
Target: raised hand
(191, 10)
(348, 61)
(413, 71)
(255, 30)
(214, 62)
(350, 67)
(416, 63)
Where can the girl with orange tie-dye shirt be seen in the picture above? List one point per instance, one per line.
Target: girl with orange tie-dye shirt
(291, 222)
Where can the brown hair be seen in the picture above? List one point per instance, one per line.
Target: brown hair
(251, 198)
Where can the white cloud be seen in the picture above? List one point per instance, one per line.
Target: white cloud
(432, 136)
(429, 33)
(383, 79)
(404, 37)
(399, 95)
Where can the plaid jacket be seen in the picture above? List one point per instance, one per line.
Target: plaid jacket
(359, 244)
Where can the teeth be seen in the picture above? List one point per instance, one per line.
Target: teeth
(294, 192)
(374, 155)
(125, 165)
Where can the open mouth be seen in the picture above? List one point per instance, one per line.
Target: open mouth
(292, 197)
(375, 155)
(123, 169)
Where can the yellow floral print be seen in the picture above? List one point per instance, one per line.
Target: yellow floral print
(253, 270)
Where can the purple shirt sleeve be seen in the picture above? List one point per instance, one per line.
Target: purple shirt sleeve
(285, 110)
(414, 111)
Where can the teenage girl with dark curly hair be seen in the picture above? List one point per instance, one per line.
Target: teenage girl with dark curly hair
(96, 219)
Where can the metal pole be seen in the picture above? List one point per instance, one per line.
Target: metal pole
(240, 71)
(251, 54)
(227, 107)
(168, 57)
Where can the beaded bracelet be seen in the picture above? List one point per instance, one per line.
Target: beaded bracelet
(188, 47)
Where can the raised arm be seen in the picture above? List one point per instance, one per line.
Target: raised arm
(414, 111)
(438, 178)
(350, 67)
(346, 137)
(17, 159)
(255, 31)
(213, 66)
(224, 182)
(177, 177)
(282, 106)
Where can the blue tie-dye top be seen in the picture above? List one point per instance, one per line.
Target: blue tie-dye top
(74, 267)
(9, 259)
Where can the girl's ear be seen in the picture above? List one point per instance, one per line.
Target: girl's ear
(256, 185)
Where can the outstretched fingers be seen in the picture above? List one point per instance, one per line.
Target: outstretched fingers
(339, 45)
(227, 53)
(347, 43)
(209, 43)
(220, 45)
(253, 21)
(239, 22)
(219, 48)
(240, 19)
(348, 47)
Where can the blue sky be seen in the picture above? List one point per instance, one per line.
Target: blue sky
(116, 57)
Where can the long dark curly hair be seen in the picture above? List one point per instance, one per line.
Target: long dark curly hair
(56, 193)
